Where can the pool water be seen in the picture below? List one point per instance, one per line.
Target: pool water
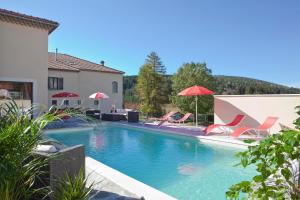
(179, 166)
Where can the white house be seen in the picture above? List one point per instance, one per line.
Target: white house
(71, 74)
(30, 74)
(24, 56)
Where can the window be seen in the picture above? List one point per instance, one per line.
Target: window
(79, 102)
(96, 102)
(16, 90)
(54, 102)
(115, 87)
(19, 91)
(66, 102)
(55, 83)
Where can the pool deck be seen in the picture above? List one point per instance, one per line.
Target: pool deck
(179, 129)
(104, 188)
(196, 132)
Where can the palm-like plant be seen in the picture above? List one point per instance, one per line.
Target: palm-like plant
(73, 188)
(19, 135)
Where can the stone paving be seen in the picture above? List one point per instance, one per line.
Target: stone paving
(179, 129)
(105, 189)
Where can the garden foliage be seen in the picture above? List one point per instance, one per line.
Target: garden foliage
(21, 171)
(277, 164)
(190, 74)
(152, 86)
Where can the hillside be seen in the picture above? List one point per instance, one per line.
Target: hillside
(232, 85)
(240, 85)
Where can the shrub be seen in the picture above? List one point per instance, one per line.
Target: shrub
(69, 188)
(19, 134)
(274, 158)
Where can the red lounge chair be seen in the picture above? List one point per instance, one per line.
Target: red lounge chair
(264, 127)
(165, 117)
(184, 118)
(235, 122)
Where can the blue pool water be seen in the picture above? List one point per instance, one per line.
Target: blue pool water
(179, 166)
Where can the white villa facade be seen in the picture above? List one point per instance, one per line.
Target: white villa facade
(70, 74)
(31, 75)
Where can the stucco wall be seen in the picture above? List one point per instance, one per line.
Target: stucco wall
(24, 57)
(86, 83)
(91, 82)
(256, 108)
(71, 84)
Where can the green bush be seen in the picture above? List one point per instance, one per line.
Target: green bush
(19, 135)
(190, 74)
(69, 188)
(273, 158)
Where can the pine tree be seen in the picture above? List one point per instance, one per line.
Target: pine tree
(148, 91)
(152, 86)
(154, 60)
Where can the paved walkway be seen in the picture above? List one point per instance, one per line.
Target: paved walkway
(105, 189)
(179, 129)
(198, 132)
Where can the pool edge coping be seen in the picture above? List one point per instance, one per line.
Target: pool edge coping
(54, 130)
(204, 139)
(126, 182)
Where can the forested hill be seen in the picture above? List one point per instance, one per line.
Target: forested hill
(242, 85)
(224, 85)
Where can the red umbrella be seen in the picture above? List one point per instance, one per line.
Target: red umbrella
(195, 91)
(64, 95)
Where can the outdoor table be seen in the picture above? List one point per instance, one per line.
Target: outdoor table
(113, 116)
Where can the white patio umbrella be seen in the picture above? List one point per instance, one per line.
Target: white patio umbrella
(98, 96)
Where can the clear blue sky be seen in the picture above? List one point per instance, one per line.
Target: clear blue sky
(252, 38)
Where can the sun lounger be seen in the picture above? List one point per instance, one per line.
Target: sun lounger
(184, 118)
(235, 122)
(164, 117)
(261, 129)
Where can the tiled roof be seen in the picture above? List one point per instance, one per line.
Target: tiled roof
(27, 20)
(71, 63)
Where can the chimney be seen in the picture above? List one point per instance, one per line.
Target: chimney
(56, 54)
(102, 62)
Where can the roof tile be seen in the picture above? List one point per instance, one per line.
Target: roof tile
(71, 63)
(27, 20)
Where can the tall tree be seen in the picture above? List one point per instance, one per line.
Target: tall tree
(154, 60)
(190, 74)
(148, 90)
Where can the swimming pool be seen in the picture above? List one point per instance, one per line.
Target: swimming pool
(179, 166)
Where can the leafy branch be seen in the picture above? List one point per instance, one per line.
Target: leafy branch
(276, 159)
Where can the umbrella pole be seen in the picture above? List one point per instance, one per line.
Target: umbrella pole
(196, 111)
(99, 104)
